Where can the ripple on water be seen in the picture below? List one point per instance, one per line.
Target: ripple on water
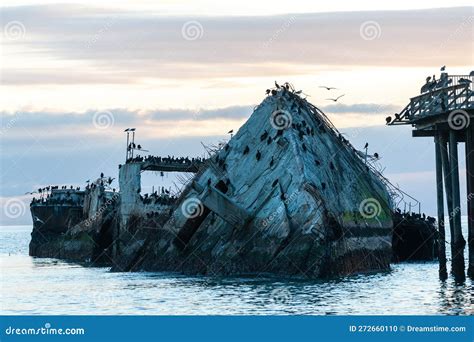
(49, 286)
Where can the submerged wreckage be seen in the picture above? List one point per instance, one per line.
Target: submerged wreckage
(286, 195)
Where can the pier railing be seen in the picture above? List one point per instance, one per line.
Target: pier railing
(448, 94)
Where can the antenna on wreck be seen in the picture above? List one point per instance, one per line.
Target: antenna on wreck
(129, 153)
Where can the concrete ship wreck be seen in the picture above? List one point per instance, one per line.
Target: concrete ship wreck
(286, 195)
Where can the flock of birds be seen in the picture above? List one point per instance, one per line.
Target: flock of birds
(47, 190)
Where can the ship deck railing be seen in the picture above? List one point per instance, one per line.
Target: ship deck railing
(165, 166)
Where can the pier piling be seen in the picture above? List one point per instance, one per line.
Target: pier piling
(457, 239)
(470, 196)
(445, 111)
(443, 273)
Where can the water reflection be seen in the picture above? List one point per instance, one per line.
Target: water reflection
(456, 299)
(49, 286)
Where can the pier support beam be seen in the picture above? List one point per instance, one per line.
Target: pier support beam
(443, 273)
(470, 196)
(447, 182)
(457, 239)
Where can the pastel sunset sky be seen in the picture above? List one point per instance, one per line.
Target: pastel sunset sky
(74, 75)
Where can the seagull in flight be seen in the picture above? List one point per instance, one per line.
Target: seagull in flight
(328, 88)
(337, 98)
(443, 68)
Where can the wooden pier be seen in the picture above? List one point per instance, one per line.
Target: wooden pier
(445, 111)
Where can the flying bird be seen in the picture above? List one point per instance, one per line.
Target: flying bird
(443, 68)
(337, 98)
(328, 88)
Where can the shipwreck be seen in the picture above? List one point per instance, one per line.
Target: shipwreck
(286, 195)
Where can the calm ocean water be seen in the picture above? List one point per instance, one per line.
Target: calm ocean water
(48, 286)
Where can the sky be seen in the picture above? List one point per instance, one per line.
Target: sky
(74, 75)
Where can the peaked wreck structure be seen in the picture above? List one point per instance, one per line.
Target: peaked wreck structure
(286, 195)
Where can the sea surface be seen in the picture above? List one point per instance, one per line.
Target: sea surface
(49, 287)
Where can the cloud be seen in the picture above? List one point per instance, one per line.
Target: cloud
(361, 108)
(118, 46)
(47, 119)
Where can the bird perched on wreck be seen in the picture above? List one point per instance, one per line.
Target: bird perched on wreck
(258, 155)
(247, 149)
